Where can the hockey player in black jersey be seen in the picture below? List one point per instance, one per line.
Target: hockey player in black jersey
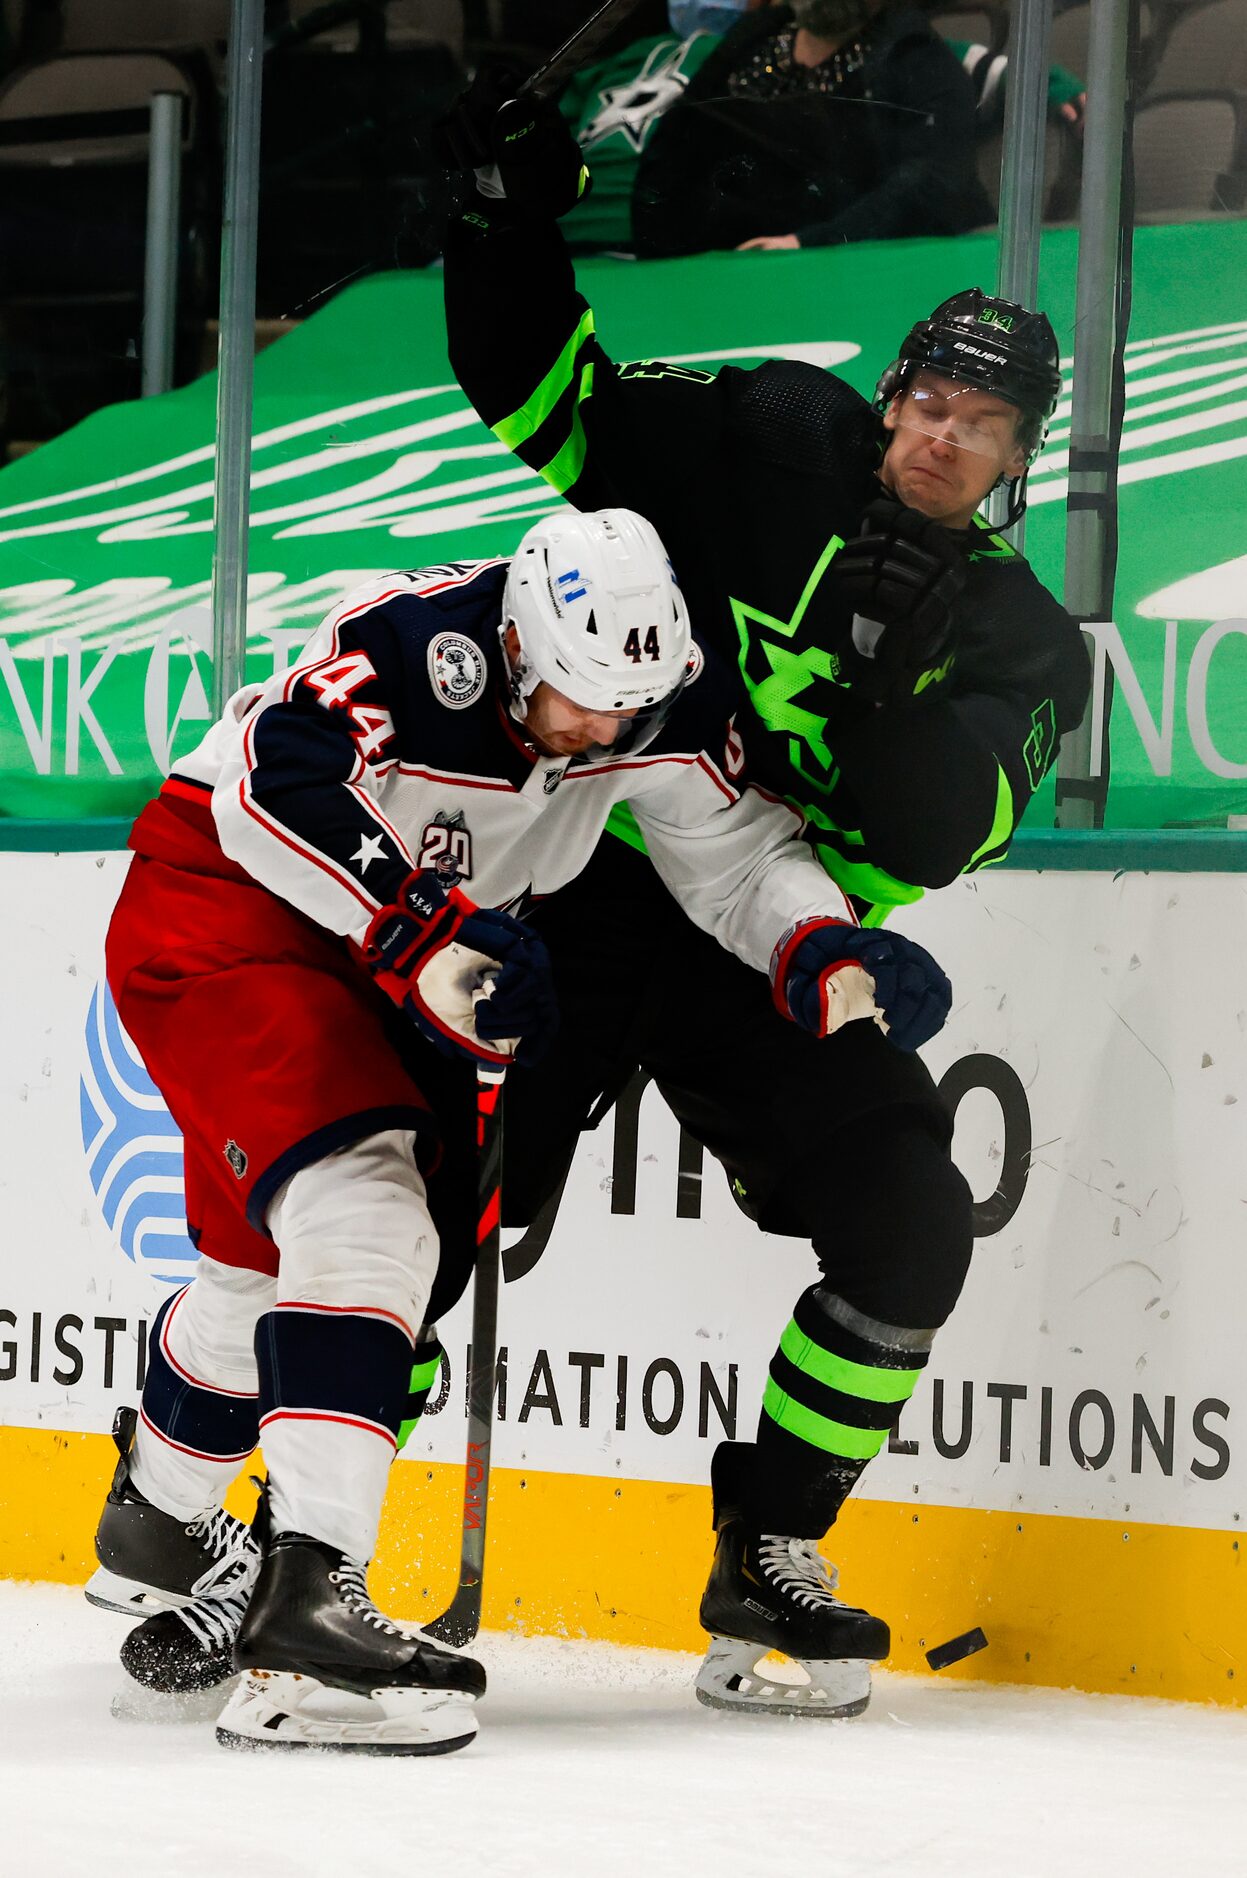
(908, 680)
(792, 506)
(318, 937)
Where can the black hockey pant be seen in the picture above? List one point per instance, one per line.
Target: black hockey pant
(843, 1141)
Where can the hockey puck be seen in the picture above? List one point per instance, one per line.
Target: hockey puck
(957, 1647)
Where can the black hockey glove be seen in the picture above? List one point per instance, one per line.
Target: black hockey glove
(900, 578)
(521, 149)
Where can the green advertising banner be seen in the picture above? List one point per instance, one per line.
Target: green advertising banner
(367, 457)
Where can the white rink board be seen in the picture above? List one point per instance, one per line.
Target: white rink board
(1112, 1295)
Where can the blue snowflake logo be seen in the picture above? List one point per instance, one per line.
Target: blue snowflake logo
(134, 1149)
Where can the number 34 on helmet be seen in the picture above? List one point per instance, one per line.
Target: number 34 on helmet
(600, 617)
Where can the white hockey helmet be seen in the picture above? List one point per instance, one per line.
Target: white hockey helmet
(600, 617)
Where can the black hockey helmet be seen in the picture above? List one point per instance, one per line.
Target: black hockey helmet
(994, 344)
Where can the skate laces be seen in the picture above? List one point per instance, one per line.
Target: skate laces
(219, 1532)
(349, 1578)
(229, 1543)
(214, 1617)
(214, 1622)
(798, 1569)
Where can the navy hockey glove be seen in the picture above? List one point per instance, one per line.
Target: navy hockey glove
(477, 982)
(901, 577)
(910, 994)
(521, 149)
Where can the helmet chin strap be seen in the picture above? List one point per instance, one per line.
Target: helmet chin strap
(1017, 498)
(522, 678)
(1016, 486)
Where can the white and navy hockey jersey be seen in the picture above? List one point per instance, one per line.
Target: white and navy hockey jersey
(389, 748)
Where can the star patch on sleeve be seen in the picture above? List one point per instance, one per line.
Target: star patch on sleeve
(371, 848)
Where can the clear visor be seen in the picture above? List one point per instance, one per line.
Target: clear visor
(945, 415)
(636, 731)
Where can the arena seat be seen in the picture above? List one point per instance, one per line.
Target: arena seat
(1190, 154)
(103, 102)
(73, 159)
(408, 24)
(979, 26)
(1200, 47)
(148, 25)
(1061, 169)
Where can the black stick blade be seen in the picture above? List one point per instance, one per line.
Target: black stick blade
(460, 1621)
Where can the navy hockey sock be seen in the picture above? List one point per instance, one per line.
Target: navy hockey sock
(190, 1413)
(334, 1388)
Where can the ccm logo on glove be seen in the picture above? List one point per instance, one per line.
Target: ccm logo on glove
(477, 982)
(911, 994)
(520, 148)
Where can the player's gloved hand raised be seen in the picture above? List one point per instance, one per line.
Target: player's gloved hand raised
(477, 982)
(901, 576)
(911, 994)
(521, 149)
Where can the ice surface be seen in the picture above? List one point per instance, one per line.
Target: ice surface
(593, 1760)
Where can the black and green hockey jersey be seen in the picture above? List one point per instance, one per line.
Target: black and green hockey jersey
(754, 478)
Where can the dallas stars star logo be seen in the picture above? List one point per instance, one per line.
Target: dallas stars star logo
(790, 669)
(633, 109)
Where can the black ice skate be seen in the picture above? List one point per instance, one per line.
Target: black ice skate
(189, 1650)
(149, 1560)
(322, 1667)
(771, 1593)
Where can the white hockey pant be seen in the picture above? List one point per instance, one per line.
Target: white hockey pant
(325, 1348)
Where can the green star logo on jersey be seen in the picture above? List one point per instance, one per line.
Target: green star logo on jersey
(776, 671)
(1040, 746)
(988, 545)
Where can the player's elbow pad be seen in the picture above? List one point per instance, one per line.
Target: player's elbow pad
(925, 856)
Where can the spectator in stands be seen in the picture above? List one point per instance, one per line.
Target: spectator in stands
(988, 70)
(822, 122)
(614, 107)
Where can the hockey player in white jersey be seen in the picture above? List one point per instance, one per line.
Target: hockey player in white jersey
(320, 932)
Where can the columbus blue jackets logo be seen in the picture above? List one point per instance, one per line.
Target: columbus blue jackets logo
(133, 1149)
(457, 669)
(446, 847)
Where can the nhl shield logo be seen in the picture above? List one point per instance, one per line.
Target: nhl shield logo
(236, 1158)
(457, 670)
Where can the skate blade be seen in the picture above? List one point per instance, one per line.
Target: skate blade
(729, 1679)
(279, 1710)
(134, 1703)
(108, 1591)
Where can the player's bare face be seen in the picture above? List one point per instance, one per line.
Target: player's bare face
(561, 728)
(950, 444)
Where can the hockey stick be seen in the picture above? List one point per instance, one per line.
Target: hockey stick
(850, 995)
(549, 79)
(462, 144)
(461, 1620)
